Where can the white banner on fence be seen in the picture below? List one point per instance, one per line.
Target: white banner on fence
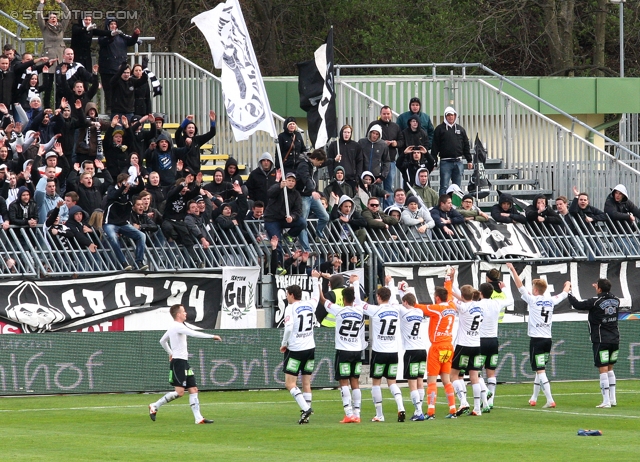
(239, 292)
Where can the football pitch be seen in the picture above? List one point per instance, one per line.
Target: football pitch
(262, 425)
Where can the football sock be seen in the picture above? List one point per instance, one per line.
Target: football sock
(422, 394)
(307, 398)
(612, 386)
(432, 392)
(536, 388)
(492, 383)
(461, 390)
(195, 406)
(451, 396)
(483, 392)
(477, 391)
(604, 387)
(297, 395)
(345, 393)
(356, 399)
(545, 386)
(166, 399)
(376, 394)
(397, 395)
(417, 404)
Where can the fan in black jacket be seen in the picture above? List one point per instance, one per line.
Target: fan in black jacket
(187, 136)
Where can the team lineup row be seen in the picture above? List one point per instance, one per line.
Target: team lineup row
(476, 344)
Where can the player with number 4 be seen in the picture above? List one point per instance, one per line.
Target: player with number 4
(298, 344)
(539, 330)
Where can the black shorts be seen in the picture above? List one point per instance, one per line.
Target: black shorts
(466, 358)
(296, 362)
(383, 365)
(348, 364)
(415, 364)
(605, 354)
(539, 350)
(489, 348)
(180, 374)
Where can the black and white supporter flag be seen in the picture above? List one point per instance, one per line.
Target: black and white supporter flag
(316, 85)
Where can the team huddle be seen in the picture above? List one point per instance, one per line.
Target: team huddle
(476, 346)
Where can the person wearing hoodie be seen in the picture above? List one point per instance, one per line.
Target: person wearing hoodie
(415, 106)
(347, 154)
(339, 185)
(416, 219)
(78, 224)
(113, 52)
(343, 214)
(276, 217)
(291, 146)
(619, 207)
(117, 145)
(541, 213)
(123, 85)
(416, 151)
(451, 145)
(391, 135)
(307, 186)
(163, 159)
(445, 216)
(82, 34)
(117, 220)
(505, 212)
(23, 212)
(187, 136)
(376, 154)
(89, 144)
(262, 178)
(367, 187)
(421, 188)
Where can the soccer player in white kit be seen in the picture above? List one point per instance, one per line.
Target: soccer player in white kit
(349, 342)
(489, 346)
(181, 376)
(298, 344)
(385, 321)
(539, 330)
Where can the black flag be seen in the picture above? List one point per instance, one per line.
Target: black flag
(316, 86)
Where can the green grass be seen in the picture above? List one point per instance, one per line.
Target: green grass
(262, 425)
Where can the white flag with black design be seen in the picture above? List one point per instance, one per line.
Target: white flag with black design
(245, 97)
(239, 292)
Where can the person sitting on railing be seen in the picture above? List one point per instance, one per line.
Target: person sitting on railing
(505, 212)
(471, 212)
(416, 219)
(421, 186)
(378, 222)
(367, 187)
(307, 186)
(291, 146)
(23, 212)
(445, 216)
(187, 136)
(348, 155)
(540, 212)
(580, 207)
(262, 178)
(620, 208)
(343, 214)
(78, 223)
(276, 217)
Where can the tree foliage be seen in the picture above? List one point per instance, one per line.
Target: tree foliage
(513, 37)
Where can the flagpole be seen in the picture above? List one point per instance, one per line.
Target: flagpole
(282, 177)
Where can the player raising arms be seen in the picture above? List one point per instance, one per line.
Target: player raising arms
(180, 376)
(384, 358)
(349, 340)
(539, 330)
(492, 307)
(441, 315)
(298, 344)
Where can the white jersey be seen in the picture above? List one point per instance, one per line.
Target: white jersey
(299, 318)
(349, 326)
(385, 321)
(540, 312)
(491, 310)
(176, 335)
(411, 328)
(469, 321)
